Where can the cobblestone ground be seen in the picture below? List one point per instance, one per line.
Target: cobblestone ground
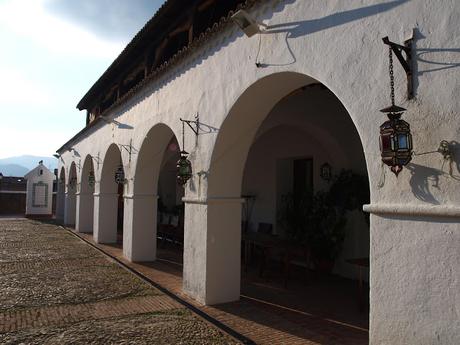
(56, 289)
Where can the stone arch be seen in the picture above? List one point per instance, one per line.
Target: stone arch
(226, 171)
(85, 198)
(143, 203)
(106, 198)
(60, 200)
(238, 129)
(71, 191)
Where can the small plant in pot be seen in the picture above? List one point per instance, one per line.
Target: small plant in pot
(312, 221)
(318, 221)
(327, 231)
(348, 191)
(293, 217)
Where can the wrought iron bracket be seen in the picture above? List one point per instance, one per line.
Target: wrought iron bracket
(129, 148)
(406, 62)
(196, 122)
(97, 160)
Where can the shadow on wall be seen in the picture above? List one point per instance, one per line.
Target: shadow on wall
(438, 59)
(292, 30)
(306, 27)
(422, 177)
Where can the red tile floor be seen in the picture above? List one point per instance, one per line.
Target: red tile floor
(322, 309)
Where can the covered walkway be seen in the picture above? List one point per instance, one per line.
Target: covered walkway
(323, 310)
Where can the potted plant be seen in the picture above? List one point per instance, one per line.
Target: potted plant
(293, 217)
(327, 231)
(348, 191)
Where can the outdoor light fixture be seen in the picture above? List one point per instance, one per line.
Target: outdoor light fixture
(91, 178)
(73, 182)
(120, 174)
(395, 136)
(184, 166)
(244, 21)
(326, 172)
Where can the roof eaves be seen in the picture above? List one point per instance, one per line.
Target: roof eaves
(129, 47)
(160, 69)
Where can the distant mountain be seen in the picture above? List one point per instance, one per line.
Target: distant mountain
(27, 162)
(13, 170)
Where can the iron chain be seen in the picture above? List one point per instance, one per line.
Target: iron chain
(392, 79)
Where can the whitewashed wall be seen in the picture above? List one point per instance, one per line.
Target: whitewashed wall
(415, 229)
(39, 199)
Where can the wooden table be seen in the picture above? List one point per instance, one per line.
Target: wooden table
(269, 243)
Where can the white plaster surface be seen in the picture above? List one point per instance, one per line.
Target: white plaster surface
(414, 259)
(40, 176)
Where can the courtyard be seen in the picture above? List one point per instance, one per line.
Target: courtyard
(56, 289)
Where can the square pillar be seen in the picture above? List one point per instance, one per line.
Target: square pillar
(85, 207)
(69, 211)
(105, 217)
(140, 227)
(60, 204)
(212, 250)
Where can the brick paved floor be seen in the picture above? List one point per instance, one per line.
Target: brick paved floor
(321, 311)
(56, 289)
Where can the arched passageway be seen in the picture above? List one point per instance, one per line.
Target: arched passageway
(70, 197)
(269, 163)
(85, 198)
(60, 199)
(108, 201)
(170, 211)
(157, 212)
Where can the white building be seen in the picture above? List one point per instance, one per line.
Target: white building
(39, 199)
(307, 88)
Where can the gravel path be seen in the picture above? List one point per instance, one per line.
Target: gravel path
(56, 289)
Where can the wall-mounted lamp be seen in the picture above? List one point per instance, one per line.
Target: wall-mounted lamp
(406, 62)
(129, 148)
(395, 135)
(246, 23)
(326, 172)
(96, 159)
(73, 182)
(120, 175)
(91, 179)
(184, 166)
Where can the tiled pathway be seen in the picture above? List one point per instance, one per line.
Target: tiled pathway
(56, 289)
(281, 322)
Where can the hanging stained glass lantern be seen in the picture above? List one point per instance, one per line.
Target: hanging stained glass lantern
(91, 178)
(120, 175)
(395, 140)
(326, 172)
(184, 169)
(395, 136)
(73, 182)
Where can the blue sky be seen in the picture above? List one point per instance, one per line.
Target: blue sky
(51, 53)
